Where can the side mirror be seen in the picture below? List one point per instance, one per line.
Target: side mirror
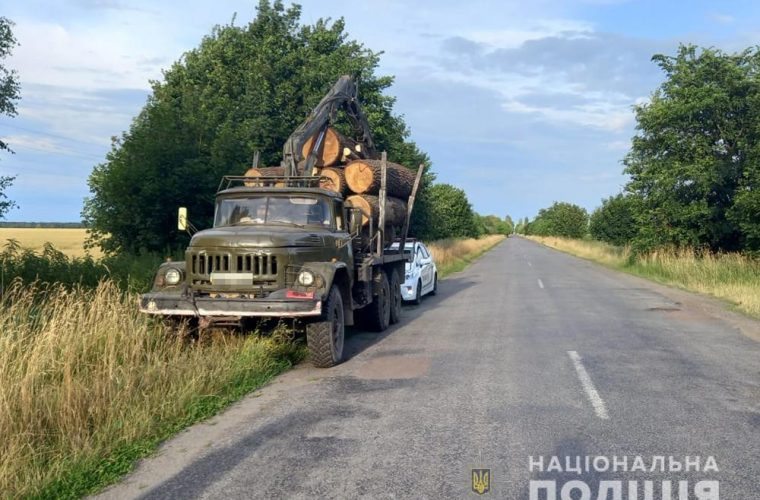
(182, 219)
(354, 220)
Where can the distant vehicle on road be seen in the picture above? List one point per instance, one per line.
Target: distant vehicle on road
(421, 274)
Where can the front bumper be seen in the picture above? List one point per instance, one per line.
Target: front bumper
(409, 290)
(176, 305)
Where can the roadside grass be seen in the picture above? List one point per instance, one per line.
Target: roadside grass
(453, 255)
(732, 277)
(88, 385)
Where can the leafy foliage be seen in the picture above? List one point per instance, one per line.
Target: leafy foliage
(243, 89)
(492, 224)
(450, 213)
(10, 92)
(561, 219)
(615, 221)
(695, 161)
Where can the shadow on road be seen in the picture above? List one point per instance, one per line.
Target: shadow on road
(359, 340)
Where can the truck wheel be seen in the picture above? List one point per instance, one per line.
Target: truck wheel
(435, 285)
(325, 337)
(395, 298)
(378, 313)
(418, 297)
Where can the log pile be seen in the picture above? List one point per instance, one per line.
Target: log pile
(343, 168)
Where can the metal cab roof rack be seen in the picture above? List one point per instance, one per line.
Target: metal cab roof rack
(231, 181)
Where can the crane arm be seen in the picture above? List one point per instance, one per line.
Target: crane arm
(343, 94)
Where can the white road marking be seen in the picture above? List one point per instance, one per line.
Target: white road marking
(596, 400)
(540, 283)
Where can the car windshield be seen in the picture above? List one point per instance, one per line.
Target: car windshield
(275, 209)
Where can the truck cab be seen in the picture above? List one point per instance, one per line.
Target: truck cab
(283, 247)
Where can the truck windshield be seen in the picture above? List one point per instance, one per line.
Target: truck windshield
(296, 210)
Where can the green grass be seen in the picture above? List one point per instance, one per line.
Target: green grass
(733, 277)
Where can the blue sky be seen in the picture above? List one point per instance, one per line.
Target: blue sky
(521, 104)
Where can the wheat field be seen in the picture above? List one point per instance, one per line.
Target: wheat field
(68, 240)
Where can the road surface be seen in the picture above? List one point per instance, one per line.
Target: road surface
(526, 355)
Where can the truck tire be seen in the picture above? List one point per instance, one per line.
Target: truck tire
(395, 285)
(325, 337)
(377, 315)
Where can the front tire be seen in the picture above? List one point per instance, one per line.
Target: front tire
(325, 338)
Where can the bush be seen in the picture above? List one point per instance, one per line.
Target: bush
(128, 271)
(614, 222)
(561, 219)
(450, 214)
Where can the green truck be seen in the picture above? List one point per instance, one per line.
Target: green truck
(283, 247)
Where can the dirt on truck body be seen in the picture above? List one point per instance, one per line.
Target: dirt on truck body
(286, 247)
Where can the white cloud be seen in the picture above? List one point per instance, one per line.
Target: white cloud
(89, 57)
(514, 37)
(722, 18)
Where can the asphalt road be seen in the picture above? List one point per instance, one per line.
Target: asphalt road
(527, 353)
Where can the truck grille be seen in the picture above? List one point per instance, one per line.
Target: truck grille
(264, 267)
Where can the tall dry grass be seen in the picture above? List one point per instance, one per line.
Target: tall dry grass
(732, 277)
(451, 255)
(87, 385)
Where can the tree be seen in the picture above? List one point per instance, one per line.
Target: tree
(615, 220)
(243, 89)
(522, 226)
(10, 92)
(451, 214)
(510, 225)
(561, 219)
(694, 160)
(492, 224)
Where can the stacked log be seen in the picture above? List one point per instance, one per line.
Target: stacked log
(363, 177)
(264, 172)
(336, 148)
(395, 209)
(333, 179)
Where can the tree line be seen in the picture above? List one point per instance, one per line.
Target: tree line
(245, 89)
(693, 166)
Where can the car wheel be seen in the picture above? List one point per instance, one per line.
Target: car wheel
(418, 297)
(435, 285)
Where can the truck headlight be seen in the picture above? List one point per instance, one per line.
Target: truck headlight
(306, 278)
(173, 276)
